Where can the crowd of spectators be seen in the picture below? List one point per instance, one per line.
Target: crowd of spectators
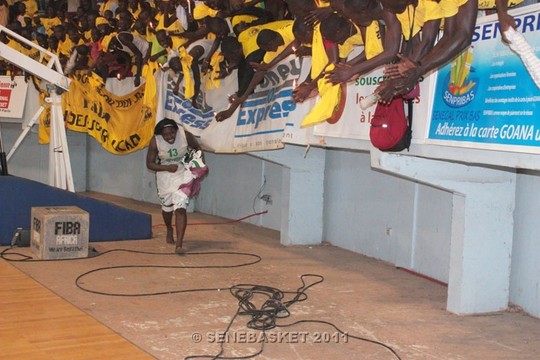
(207, 40)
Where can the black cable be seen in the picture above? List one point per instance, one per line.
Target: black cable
(345, 334)
(23, 257)
(275, 307)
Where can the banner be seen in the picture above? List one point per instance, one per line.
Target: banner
(485, 98)
(12, 96)
(121, 124)
(258, 124)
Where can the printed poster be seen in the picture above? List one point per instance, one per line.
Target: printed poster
(12, 96)
(485, 98)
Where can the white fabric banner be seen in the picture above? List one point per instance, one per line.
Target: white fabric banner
(257, 125)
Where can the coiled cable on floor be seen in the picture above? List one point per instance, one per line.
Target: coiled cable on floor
(265, 318)
(275, 307)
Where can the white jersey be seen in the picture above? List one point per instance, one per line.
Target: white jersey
(138, 41)
(206, 44)
(174, 153)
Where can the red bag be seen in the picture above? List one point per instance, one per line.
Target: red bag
(390, 129)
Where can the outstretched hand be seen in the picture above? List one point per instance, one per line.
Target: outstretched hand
(506, 22)
(224, 115)
(391, 88)
(342, 73)
(317, 15)
(304, 91)
(400, 69)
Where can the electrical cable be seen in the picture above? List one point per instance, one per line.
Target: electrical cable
(259, 193)
(221, 222)
(78, 280)
(262, 319)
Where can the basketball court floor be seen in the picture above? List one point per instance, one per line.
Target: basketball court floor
(137, 300)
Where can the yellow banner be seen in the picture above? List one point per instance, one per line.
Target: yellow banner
(121, 124)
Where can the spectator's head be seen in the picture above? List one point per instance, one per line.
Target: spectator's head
(95, 34)
(52, 43)
(336, 29)
(103, 25)
(139, 26)
(80, 13)
(60, 32)
(163, 38)
(231, 49)
(74, 34)
(214, 4)
(361, 12)
(82, 50)
(217, 26)
(302, 32)
(269, 40)
(60, 13)
(19, 8)
(124, 21)
(108, 14)
(51, 11)
(42, 40)
(37, 20)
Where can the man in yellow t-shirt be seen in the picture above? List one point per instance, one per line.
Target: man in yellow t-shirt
(277, 44)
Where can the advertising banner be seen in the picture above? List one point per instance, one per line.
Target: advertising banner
(485, 98)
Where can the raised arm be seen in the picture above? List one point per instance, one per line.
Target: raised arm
(457, 35)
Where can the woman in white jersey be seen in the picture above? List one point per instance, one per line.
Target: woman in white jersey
(165, 156)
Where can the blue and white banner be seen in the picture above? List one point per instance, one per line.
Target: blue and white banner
(258, 124)
(485, 98)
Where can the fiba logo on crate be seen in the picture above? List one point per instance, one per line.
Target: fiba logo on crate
(66, 232)
(60, 232)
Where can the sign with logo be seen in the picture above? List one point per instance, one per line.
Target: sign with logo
(12, 96)
(485, 98)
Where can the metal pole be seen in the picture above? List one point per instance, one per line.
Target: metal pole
(3, 160)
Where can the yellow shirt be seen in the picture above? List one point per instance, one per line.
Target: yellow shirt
(15, 45)
(201, 11)
(31, 52)
(65, 47)
(490, 4)
(235, 20)
(248, 37)
(450, 7)
(31, 7)
(288, 37)
(50, 23)
(425, 11)
(175, 27)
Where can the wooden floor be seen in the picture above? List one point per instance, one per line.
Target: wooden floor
(37, 324)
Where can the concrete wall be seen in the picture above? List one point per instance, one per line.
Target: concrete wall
(525, 275)
(386, 217)
(235, 185)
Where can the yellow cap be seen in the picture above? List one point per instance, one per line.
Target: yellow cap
(201, 11)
